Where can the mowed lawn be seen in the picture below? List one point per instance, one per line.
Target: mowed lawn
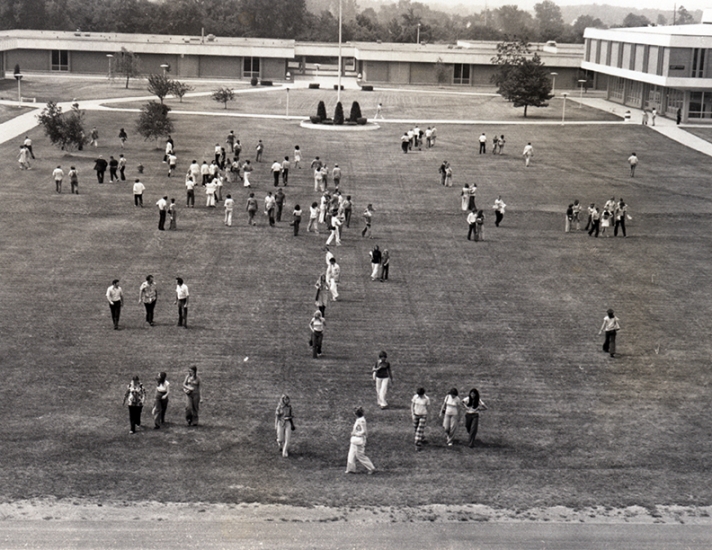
(516, 316)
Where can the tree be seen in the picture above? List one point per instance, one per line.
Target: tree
(633, 20)
(127, 65)
(684, 17)
(321, 110)
(179, 89)
(65, 130)
(525, 82)
(223, 95)
(582, 22)
(355, 112)
(339, 113)
(549, 20)
(512, 21)
(160, 85)
(440, 71)
(153, 122)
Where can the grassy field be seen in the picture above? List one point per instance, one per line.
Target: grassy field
(515, 316)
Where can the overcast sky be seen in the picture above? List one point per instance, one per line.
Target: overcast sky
(479, 5)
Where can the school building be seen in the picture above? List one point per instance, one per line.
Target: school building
(467, 63)
(666, 68)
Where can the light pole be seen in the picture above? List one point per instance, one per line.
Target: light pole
(288, 77)
(110, 57)
(18, 77)
(417, 37)
(563, 114)
(338, 84)
(581, 82)
(553, 86)
(165, 66)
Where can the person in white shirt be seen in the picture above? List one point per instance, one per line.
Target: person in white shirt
(28, 144)
(499, 207)
(194, 170)
(313, 218)
(483, 143)
(182, 296)
(115, 296)
(336, 223)
(138, 189)
(58, 175)
(172, 161)
(190, 192)
(333, 273)
(610, 326)
(633, 161)
(419, 413)
(270, 204)
(229, 207)
(276, 171)
(336, 175)
(148, 295)
(472, 224)
(285, 171)
(528, 153)
(162, 205)
(357, 450)
(205, 172)
(210, 193)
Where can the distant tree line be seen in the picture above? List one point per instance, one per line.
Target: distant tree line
(402, 21)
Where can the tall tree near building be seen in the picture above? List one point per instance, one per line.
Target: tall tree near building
(523, 81)
(511, 21)
(582, 23)
(633, 20)
(66, 130)
(684, 17)
(549, 20)
(25, 14)
(153, 122)
(126, 64)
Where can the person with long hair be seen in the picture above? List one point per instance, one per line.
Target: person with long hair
(322, 294)
(383, 377)
(473, 405)
(450, 412)
(419, 413)
(191, 388)
(610, 326)
(357, 448)
(284, 424)
(135, 397)
(316, 325)
(160, 402)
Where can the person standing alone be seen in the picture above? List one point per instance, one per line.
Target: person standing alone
(115, 296)
(147, 295)
(610, 326)
(162, 205)
(182, 296)
(383, 377)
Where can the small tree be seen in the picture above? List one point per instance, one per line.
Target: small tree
(160, 85)
(153, 122)
(321, 110)
(127, 64)
(179, 89)
(65, 130)
(223, 95)
(440, 72)
(339, 113)
(355, 112)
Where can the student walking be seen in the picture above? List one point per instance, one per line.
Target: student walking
(499, 207)
(383, 377)
(419, 413)
(367, 218)
(316, 326)
(229, 207)
(191, 388)
(333, 273)
(528, 154)
(375, 263)
(296, 219)
(135, 398)
(73, 180)
(450, 413)
(473, 405)
(633, 162)
(357, 448)
(181, 301)
(284, 424)
(58, 176)
(251, 208)
(160, 400)
(115, 296)
(148, 296)
(610, 326)
(385, 264)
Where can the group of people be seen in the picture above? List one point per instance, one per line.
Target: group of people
(148, 296)
(601, 221)
(497, 144)
(135, 399)
(414, 138)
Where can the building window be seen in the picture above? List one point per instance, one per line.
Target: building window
(616, 89)
(598, 52)
(588, 49)
(675, 99)
(461, 74)
(634, 94)
(700, 105)
(251, 67)
(60, 60)
(698, 62)
(608, 53)
(619, 60)
(661, 61)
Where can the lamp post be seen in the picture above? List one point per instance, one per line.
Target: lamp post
(288, 78)
(165, 66)
(581, 82)
(110, 57)
(18, 77)
(338, 84)
(553, 86)
(417, 36)
(563, 114)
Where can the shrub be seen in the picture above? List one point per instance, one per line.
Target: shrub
(314, 86)
(315, 119)
(355, 111)
(65, 130)
(321, 110)
(336, 86)
(253, 81)
(223, 95)
(367, 88)
(153, 122)
(179, 89)
(339, 114)
(362, 121)
(266, 83)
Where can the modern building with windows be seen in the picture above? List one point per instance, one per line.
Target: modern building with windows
(665, 68)
(463, 64)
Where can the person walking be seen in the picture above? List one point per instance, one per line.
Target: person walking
(190, 192)
(472, 224)
(501, 143)
(419, 413)
(251, 208)
(472, 405)
(499, 207)
(611, 326)
(653, 116)
(528, 154)
(100, 166)
(115, 296)
(284, 424)
(576, 211)
(210, 189)
(24, 158)
(450, 413)
(28, 145)
(375, 263)
(172, 215)
(442, 170)
(296, 218)
(357, 448)
(148, 295)
(135, 398)
(285, 171)
(383, 377)
(58, 176)
(480, 226)
(633, 162)
(113, 167)
(122, 167)
(313, 218)
(385, 264)
(181, 301)
(73, 180)
(279, 199)
(191, 388)
(123, 136)
(379, 112)
(316, 326)
(595, 222)
(322, 294)
(229, 207)
(367, 218)
(160, 400)
(138, 189)
(483, 143)
(270, 205)
(297, 157)
(333, 273)
(276, 170)
(621, 213)
(259, 150)
(94, 134)
(162, 206)
(568, 218)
